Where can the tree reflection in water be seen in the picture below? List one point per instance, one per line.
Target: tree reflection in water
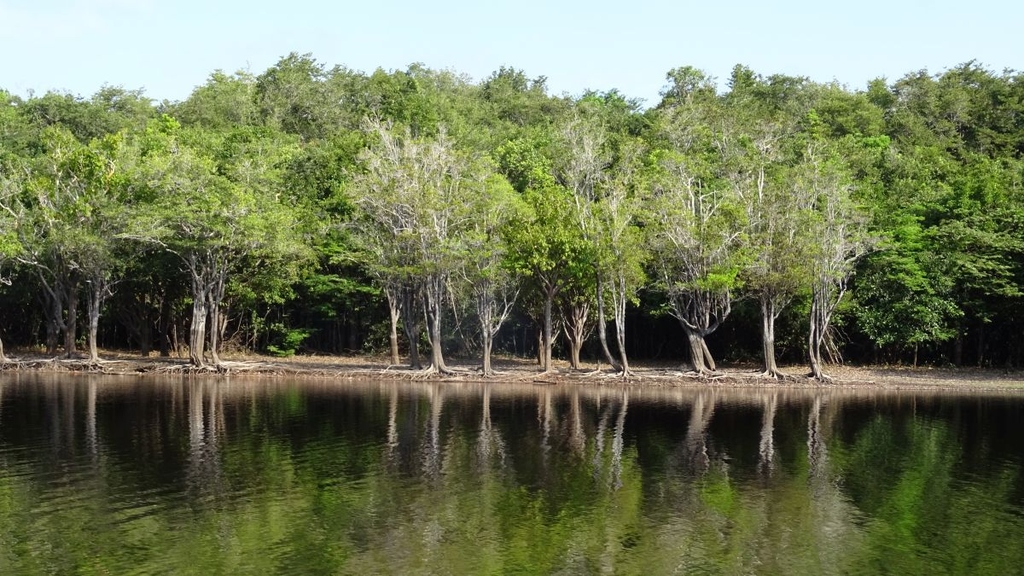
(216, 476)
(205, 425)
(696, 444)
(489, 440)
(766, 447)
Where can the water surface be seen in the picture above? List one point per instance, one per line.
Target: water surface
(247, 476)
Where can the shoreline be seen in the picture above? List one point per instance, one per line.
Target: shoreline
(520, 371)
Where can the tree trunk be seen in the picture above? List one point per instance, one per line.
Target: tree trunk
(434, 296)
(3, 356)
(540, 345)
(619, 303)
(574, 351)
(97, 290)
(71, 322)
(485, 312)
(549, 298)
(602, 328)
(487, 342)
(164, 323)
(53, 295)
(697, 349)
(213, 327)
(768, 316)
(412, 327)
(395, 311)
(575, 322)
(197, 332)
(814, 339)
(436, 355)
(145, 340)
(52, 331)
(700, 314)
(709, 361)
(215, 296)
(620, 338)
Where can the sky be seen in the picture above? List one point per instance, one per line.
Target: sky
(167, 48)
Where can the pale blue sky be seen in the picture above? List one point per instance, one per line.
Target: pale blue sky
(168, 48)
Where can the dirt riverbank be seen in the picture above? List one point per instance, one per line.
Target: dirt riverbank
(523, 371)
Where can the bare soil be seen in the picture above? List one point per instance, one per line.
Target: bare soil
(526, 370)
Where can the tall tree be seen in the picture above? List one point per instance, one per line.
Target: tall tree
(11, 190)
(621, 253)
(581, 163)
(220, 216)
(414, 192)
(697, 223)
(840, 233)
(72, 229)
(546, 242)
(493, 280)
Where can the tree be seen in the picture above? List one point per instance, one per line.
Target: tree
(621, 251)
(575, 303)
(297, 97)
(11, 190)
(101, 258)
(222, 103)
(695, 219)
(72, 231)
(414, 193)
(580, 166)
(546, 242)
(219, 217)
(840, 234)
(777, 222)
(762, 139)
(489, 273)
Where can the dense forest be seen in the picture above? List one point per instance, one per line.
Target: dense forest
(316, 209)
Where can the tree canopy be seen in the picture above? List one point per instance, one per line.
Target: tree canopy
(316, 208)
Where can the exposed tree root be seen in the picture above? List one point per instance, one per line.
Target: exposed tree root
(59, 365)
(703, 375)
(187, 369)
(776, 375)
(432, 372)
(628, 376)
(822, 379)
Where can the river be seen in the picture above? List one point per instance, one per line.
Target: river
(126, 475)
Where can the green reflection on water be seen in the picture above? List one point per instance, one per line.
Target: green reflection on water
(249, 478)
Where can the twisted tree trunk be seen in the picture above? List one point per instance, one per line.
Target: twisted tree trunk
(700, 314)
(575, 322)
(216, 297)
(434, 297)
(770, 311)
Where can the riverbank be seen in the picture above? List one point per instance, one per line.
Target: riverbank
(521, 370)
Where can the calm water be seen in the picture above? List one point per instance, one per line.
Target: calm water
(123, 476)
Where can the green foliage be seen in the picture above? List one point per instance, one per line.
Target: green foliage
(287, 340)
(712, 191)
(524, 163)
(545, 241)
